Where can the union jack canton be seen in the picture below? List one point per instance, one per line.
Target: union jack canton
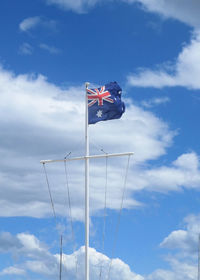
(105, 103)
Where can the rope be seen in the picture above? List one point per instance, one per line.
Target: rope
(60, 276)
(70, 214)
(54, 214)
(97, 146)
(119, 218)
(104, 222)
(50, 195)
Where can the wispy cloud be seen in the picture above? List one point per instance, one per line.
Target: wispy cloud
(32, 22)
(50, 49)
(12, 270)
(26, 49)
(29, 23)
(79, 6)
(187, 12)
(155, 101)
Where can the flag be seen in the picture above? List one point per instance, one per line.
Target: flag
(105, 103)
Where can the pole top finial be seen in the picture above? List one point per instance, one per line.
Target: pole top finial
(87, 84)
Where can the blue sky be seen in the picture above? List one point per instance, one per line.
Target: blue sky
(48, 50)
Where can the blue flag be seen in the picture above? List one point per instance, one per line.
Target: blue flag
(105, 103)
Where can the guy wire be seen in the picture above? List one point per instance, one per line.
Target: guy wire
(70, 214)
(119, 218)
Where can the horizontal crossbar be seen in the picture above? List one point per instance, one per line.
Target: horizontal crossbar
(86, 157)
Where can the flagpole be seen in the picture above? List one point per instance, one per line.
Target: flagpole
(86, 187)
(198, 276)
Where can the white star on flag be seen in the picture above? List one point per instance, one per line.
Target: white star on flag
(99, 113)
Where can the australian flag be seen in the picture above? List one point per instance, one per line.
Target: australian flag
(105, 103)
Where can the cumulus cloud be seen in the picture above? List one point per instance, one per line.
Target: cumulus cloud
(41, 262)
(186, 239)
(21, 244)
(39, 121)
(179, 270)
(184, 246)
(185, 72)
(182, 173)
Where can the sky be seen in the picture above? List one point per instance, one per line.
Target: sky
(48, 50)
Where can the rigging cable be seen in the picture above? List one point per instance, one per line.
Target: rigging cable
(119, 217)
(60, 278)
(97, 146)
(70, 214)
(50, 195)
(54, 214)
(104, 221)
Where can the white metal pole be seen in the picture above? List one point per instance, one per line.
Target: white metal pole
(198, 276)
(86, 187)
(89, 157)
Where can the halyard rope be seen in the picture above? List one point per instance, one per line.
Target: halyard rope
(70, 214)
(119, 217)
(50, 195)
(54, 214)
(104, 222)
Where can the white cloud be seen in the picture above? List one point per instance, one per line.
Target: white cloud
(183, 173)
(11, 270)
(179, 270)
(185, 239)
(32, 22)
(79, 6)
(185, 72)
(182, 10)
(40, 261)
(184, 246)
(50, 49)
(155, 101)
(39, 121)
(26, 49)
(43, 263)
(183, 261)
(29, 23)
